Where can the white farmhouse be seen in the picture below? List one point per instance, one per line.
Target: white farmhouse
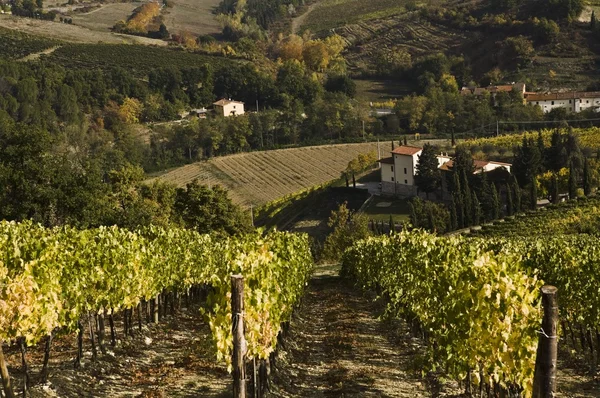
(398, 171)
(573, 102)
(227, 107)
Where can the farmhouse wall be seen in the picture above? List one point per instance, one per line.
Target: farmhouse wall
(387, 172)
(405, 169)
(398, 190)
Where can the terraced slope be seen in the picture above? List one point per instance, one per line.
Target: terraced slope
(256, 178)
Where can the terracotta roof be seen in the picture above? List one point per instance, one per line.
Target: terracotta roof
(223, 102)
(406, 150)
(387, 161)
(561, 96)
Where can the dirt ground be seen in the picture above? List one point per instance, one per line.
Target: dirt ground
(171, 359)
(337, 347)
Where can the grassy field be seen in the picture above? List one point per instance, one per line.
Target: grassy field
(104, 18)
(329, 14)
(257, 178)
(193, 16)
(71, 33)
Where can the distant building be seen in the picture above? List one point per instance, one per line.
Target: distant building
(575, 101)
(199, 113)
(227, 107)
(493, 90)
(398, 171)
(506, 88)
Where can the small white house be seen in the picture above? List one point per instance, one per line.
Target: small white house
(398, 171)
(227, 107)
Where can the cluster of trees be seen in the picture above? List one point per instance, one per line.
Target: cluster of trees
(251, 18)
(331, 117)
(57, 180)
(31, 9)
(538, 170)
(474, 198)
(295, 107)
(558, 168)
(142, 17)
(441, 109)
(318, 55)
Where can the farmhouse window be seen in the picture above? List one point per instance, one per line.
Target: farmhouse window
(569, 101)
(392, 178)
(406, 181)
(405, 171)
(537, 103)
(392, 169)
(552, 102)
(587, 101)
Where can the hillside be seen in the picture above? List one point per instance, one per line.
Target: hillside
(259, 177)
(562, 55)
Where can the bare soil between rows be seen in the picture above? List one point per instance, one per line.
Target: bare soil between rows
(174, 358)
(338, 347)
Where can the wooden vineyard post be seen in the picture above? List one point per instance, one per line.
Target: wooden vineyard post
(544, 384)
(239, 341)
(8, 390)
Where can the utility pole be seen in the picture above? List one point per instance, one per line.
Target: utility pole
(497, 128)
(256, 106)
(252, 214)
(378, 151)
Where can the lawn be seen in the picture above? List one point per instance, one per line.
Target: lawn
(380, 208)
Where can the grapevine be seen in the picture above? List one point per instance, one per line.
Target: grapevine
(50, 278)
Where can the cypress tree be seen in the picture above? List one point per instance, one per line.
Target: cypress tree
(466, 199)
(428, 176)
(453, 215)
(510, 206)
(587, 180)
(476, 210)
(541, 148)
(457, 195)
(572, 181)
(495, 202)
(392, 145)
(431, 219)
(516, 195)
(593, 21)
(533, 194)
(405, 140)
(392, 229)
(554, 189)
(412, 215)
